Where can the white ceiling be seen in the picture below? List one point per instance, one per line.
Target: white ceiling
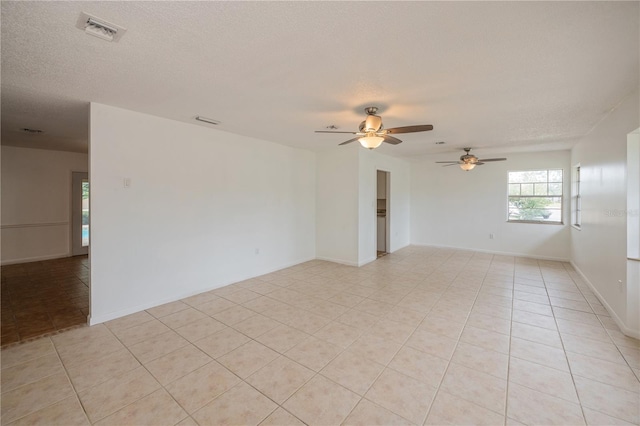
(501, 75)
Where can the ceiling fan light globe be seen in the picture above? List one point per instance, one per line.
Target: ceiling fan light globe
(467, 167)
(371, 141)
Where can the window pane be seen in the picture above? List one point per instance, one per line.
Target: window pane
(514, 189)
(555, 189)
(555, 175)
(526, 189)
(517, 177)
(540, 188)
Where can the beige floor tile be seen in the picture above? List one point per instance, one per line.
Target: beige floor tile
(346, 299)
(367, 413)
(402, 395)
(327, 309)
(321, 402)
(248, 358)
(442, 326)
(610, 400)
(373, 307)
(313, 353)
(391, 330)
(26, 351)
(188, 421)
(177, 364)
(308, 322)
(405, 316)
(167, 309)
(241, 405)
(138, 333)
(182, 318)
(543, 379)
(490, 323)
(263, 304)
(91, 350)
(280, 378)
(487, 339)
(222, 342)
(338, 334)
(281, 417)
(282, 338)
(157, 346)
(531, 407)
(256, 325)
(30, 371)
(128, 321)
(632, 356)
(621, 340)
(448, 409)
(201, 386)
(375, 349)
(95, 372)
(432, 343)
(419, 365)
(539, 353)
(610, 373)
(583, 330)
(200, 329)
(214, 305)
(155, 409)
(578, 316)
(495, 311)
(34, 396)
(597, 418)
(115, 394)
(234, 315)
(353, 372)
(536, 308)
(241, 296)
(602, 350)
(67, 412)
(358, 319)
(475, 386)
(536, 334)
(576, 305)
(537, 320)
(480, 359)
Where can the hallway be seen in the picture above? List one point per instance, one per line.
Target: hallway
(43, 297)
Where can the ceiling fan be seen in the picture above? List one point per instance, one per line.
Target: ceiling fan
(468, 161)
(371, 132)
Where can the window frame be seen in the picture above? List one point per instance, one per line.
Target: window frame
(561, 196)
(576, 198)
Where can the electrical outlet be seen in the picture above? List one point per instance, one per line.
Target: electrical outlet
(126, 182)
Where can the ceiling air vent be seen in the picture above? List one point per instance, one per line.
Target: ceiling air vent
(99, 27)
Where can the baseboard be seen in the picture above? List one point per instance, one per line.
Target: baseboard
(364, 262)
(34, 259)
(93, 320)
(626, 330)
(501, 253)
(340, 261)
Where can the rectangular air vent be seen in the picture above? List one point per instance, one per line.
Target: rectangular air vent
(100, 28)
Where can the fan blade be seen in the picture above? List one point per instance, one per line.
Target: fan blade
(410, 129)
(492, 159)
(479, 163)
(331, 131)
(349, 141)
(447, 165)
(391, 140)
(452, 162)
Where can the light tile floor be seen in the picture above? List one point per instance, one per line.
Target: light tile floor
(420, 336)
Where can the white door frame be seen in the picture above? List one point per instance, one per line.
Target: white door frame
(76, 213)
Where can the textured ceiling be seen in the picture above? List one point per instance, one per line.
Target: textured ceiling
(501, 75)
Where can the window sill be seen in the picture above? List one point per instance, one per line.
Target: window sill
(535, 222)
(579, 228)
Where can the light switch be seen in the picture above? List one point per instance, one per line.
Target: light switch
(126, 182)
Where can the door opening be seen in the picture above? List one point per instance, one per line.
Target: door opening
(382, 212)
(80, 213)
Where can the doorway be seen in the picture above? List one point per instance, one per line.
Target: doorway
(80, 213)
(382, 212)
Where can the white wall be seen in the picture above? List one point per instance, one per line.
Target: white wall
(337, 204)
(36, 202)
(399, 206)
(201, 202)
(454, 208)
(599, 249)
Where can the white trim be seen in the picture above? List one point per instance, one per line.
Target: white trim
(501, 253)
(626, 330)
(33, 225)
(34, 259)
(364, 262)
(133, 309)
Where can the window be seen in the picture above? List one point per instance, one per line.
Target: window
(576, 219)
(535, 196)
